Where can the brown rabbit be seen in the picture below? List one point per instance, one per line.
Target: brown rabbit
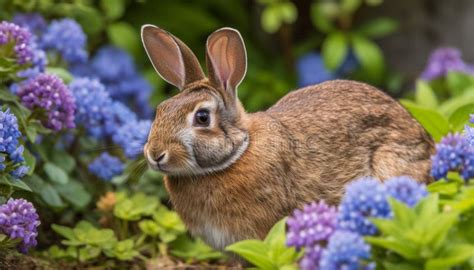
(231, 175)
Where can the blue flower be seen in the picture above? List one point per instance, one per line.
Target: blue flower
(93, 105)
(453, 153)
(112, 64)
(20, 171)
(33, 21)
(346, 250)
(19, 220)
(106, 167)
(406, 190)
(364, 198)
(132, 136)
(67, 38)
(350, 64)
(311, 70)
(10, 148)
(119, 115)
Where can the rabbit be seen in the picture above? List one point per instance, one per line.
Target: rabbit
(232, 175)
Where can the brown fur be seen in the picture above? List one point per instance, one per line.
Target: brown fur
(304, 148)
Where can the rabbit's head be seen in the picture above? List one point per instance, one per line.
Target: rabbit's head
(203, 128)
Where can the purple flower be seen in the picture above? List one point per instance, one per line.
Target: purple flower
(442, 61)
(406, 190)
(32, 21)
(310, 228)
(364, 199)
(346, 250)
(49, 94)
(106, 167)
(20, 38)
(132, 136)
(67, 38)
(453, 153)
(18, 219)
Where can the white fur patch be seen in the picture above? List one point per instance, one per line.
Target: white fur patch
(215, 237)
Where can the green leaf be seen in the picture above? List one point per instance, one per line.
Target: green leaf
(253, 251)
(30, 161)
(61, 73)
(451, 105)
(458, 82)
(461, 116)
(55, 173)
(64, 231)
(402, 213)
(51, 196)
(443, 187)
(113, 9)
(8, 180)
(434, 123)
(90, 19)
(349, 6)
(455, 255)
(320, 19)
(74, 193)
(270, 19)
(125, 36)
(378, 28)
(404, 249)
(334, 50)
(425, 96)
(64, 160)
(370, 57)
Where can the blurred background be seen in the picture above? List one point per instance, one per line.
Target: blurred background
(290, 43)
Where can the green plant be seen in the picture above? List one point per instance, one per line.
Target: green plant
(271, 253)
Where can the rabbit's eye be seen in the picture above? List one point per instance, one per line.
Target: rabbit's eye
(202, 118)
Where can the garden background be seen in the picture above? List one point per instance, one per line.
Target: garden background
(77, 96)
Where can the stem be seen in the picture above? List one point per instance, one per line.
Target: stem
(163, 249)
(124, 232)
(154, 250)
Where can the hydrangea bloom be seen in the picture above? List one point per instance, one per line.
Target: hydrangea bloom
(444, 60)
(311, 70)
(453, 153)
(310, 228)
(10, 150)
(67, 38)
(33, 21)
(48, 93)
(346, 250)
(11, 33)
(112, 65)
(364, 198)
(93, 105)
(406, 190)
(106, 167)
(119, 115)
(132, 136)
(18, 219)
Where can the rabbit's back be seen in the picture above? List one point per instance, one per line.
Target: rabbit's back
(348, 129)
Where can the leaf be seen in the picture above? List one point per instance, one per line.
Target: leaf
(443, 187)
(55, 173)
(378, 27)
(64, 231)
(320, 19)
(64, 160)
(458, 82)
(370, 57)
(51, 196)
(114, 9)
(30, 161)
(424, 95)
(9, 181)
(125, 36)
(334, 50)
(403, 214)
(455, 255)
(74, 193)
(404, 249)
(253, 251)
(90, 19)
(434, 123)
(451, 105)
(349, 6)
(461, 116)
(270, 19)
(61, 73)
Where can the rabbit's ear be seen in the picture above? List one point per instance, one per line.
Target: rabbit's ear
(172, 59)
(226, 59)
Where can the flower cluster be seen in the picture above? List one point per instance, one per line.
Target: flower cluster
(444, 60)
(453, 153)
(20, 40)
(333, 238)
(66, 38)
(116, 70)
(49, 94)
(132, 137)
(18, 219)
(33, 21)
(11, 152)
(93, 105)
(106, 167)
